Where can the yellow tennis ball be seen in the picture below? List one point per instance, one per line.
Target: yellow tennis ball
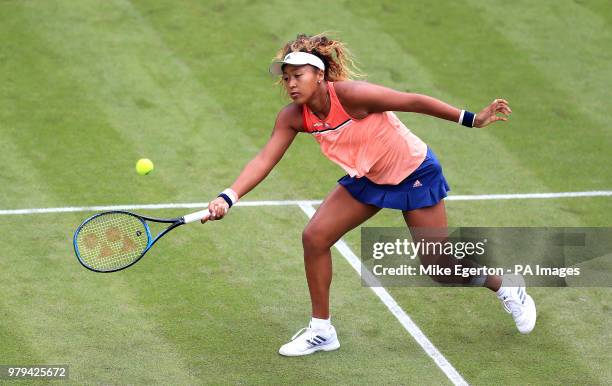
(144, 166)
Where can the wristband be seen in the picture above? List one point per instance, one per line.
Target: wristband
(467, 118)
(229, 196)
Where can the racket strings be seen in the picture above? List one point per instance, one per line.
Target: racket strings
(111, 241)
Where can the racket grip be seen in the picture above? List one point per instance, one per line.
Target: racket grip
(196, 216)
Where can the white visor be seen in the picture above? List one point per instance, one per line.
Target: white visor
(296, 59)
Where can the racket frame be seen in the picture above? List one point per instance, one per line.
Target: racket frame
(150, 240)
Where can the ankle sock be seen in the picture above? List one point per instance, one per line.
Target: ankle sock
(502, 292)
(320, 324)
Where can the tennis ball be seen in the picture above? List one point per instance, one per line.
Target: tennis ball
(144, 166)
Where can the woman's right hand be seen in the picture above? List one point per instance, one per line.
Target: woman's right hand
(218, 209)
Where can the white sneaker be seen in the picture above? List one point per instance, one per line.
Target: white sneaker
(310, 341)
(521, 306)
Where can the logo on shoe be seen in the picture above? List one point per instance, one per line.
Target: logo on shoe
(317, 340)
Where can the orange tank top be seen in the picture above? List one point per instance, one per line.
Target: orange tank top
(378, 146)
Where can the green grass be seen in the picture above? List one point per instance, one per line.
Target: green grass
(89, 87)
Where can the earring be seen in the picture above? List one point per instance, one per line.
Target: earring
(319, 81)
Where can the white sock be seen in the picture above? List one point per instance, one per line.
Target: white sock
(510, 282)
(502, 292)
(320, 324)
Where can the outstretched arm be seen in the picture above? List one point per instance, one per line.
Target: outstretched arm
(363, 96)
(259, 167)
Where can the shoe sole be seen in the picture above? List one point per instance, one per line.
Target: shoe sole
(327, 347)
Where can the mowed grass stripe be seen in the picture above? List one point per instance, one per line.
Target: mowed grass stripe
(15, 347)
(19, 168)
(146, 95)
(601, 8)
(48, 130)
(69, 149)
(574, 64)
(19, 171)
(544, 124)
(68, 315)
(574, 59)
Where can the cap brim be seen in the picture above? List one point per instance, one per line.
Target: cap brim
(276, 68)
(296, 59)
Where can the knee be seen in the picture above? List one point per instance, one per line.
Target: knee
(313, 240)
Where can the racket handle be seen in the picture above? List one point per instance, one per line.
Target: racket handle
(196, 216)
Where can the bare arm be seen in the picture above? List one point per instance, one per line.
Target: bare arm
(284, 132)
(371, 98)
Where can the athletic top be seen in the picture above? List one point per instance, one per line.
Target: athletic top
(378, 147)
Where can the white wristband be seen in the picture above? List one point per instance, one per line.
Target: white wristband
(231, 194)
(461, 117)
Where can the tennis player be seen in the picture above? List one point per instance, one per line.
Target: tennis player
(387, 166)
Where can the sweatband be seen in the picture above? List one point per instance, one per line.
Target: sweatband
(467, 118)
(229, 196)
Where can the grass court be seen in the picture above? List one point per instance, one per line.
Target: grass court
(89, 87)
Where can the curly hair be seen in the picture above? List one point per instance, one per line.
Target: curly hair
(338, 60)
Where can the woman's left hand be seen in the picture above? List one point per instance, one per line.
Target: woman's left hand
(489, 113)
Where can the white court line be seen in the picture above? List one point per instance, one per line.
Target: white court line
(397, 311)
(194, 205)
(522, 196)
(187, 205)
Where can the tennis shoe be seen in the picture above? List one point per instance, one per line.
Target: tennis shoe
(520, 305)
(308, 341)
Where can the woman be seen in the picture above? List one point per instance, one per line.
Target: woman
(387, 166)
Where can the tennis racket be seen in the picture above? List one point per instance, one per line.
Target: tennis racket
(112, 241)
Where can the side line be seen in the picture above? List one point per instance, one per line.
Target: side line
(187, 205)
(194, 205)
(447, 368)
(594, 193)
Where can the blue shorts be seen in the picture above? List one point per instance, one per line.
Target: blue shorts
(426, 186)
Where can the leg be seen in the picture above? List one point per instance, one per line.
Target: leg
(515, 298)
(435, 217)
(338, 214)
